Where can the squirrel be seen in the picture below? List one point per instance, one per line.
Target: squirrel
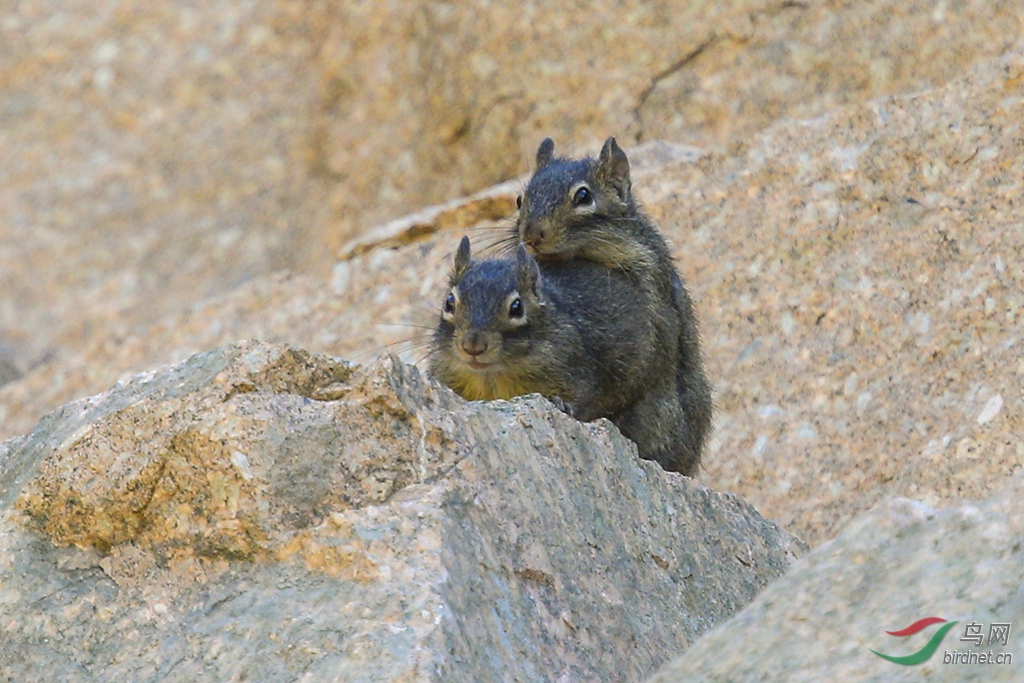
(583, 211)
(578, 333)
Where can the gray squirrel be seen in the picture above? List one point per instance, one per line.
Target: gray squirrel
(582, 211)
(587, 337)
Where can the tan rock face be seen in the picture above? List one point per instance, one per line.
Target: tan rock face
(860, 281)
(857, 277)
(156, 155)
(896, 564)
(160, 473)
(143, 144)
(263, 512)
(801, 60)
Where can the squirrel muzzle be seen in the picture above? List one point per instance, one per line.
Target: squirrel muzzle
(532, 233)
(479, 350)
(474, 343)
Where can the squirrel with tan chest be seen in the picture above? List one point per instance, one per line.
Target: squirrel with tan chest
(583, 211)
(570, 332)
(596, 319)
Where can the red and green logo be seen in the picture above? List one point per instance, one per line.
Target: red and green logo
(930, 647)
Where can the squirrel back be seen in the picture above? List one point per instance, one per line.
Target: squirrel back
(575, 334)
(583, 211)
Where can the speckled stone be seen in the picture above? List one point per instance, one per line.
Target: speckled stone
(259, 512)
(156, 154)
(857, 277)
(890, 567)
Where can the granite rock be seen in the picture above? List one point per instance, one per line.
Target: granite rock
(155, 154)
(259, 512)
(857, 277)
(892, 566)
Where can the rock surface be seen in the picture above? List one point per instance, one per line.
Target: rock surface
(901, 562)
(857, 277)
(262, 513)
(158, 153)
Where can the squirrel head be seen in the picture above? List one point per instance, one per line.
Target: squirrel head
(566, 200)
(489, 320)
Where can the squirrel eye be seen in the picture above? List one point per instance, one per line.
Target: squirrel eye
(519, 202)
(449, 304)
(582, 197)
(515, 309)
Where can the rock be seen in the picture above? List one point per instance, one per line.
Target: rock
(857, 278)
(156, 155)
(796, 60)
(262, 512)
(8, 368)
(898, 563)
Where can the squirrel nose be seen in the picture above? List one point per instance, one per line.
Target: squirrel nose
(532, 234)
(474, 343)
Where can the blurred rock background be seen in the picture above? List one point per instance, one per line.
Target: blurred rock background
(153, 154)
(840, 183)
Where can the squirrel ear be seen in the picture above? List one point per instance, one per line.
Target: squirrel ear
(545, 153)
(613, 167)
(526, 269)
(462, 257)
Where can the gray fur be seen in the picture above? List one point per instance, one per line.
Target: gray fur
(585, 346)
(669, 426)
